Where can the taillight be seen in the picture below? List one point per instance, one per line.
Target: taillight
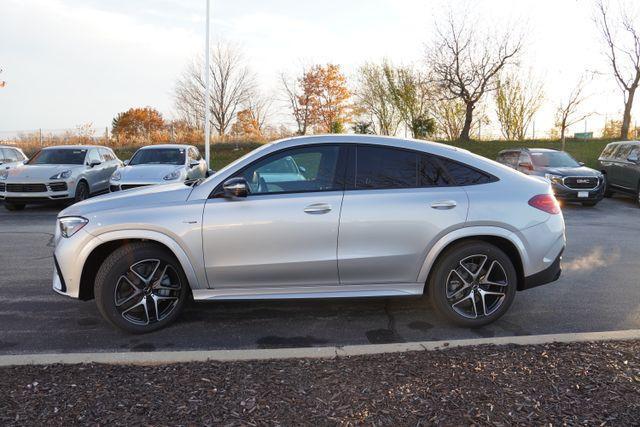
(546, 203)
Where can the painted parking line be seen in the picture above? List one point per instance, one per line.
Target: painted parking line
(166, 357)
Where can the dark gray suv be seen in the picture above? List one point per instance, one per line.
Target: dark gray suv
(571, 180)
(620, 164)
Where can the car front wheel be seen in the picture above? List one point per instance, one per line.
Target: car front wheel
(473, 283)
(140, 288)
(82, 192)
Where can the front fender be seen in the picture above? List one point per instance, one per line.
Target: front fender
(194, 276)
(467, 232)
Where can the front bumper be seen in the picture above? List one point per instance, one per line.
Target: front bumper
(121, 186)
(36, 192)
(573, 194)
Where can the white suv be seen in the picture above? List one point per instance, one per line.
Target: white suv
(363, 216)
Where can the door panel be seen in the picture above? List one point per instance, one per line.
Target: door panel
(271, 241)
(385, 234)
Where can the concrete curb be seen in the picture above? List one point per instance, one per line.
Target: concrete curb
(164, 357)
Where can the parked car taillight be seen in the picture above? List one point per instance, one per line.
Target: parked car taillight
(545, 202)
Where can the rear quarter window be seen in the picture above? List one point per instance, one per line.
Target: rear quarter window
(466, 175)
(608, 151)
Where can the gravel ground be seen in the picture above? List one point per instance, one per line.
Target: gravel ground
(581, 383)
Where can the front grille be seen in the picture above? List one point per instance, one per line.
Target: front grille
(58, 186)
(581, 182)
(2, 187)
(26, 188)
(130, 186)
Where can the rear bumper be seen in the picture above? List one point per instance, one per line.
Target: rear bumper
(548, 275)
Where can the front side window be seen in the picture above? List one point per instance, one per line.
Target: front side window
(297, 170)
(159, 156)
(94, 157)
(59, 156)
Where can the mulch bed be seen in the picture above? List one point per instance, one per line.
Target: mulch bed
(581, 383)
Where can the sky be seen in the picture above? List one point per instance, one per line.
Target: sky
(71, 62)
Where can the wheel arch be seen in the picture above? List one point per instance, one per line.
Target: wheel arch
(505, 240)
(109, 243)
(82, 179)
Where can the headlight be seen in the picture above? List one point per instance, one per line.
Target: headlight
(62, 175)
(4, 175)
(555, 179)
(117, 176)
(70, 225)
(173, 175)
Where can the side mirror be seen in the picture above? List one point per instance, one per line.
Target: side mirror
(95, 163)
(525, 166)
(126, 162)
(235, 187)
(633, 158)
(581, 163)
(194, 163)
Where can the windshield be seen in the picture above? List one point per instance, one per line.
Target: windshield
(59, 156)
(553, 159)
(158, 156)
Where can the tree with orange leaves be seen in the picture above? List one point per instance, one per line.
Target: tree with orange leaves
(320, 99)
(137, 123)
(246, 124)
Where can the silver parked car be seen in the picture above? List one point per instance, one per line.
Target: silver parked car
(366, 216)
(11, 157)
(159, 164)
(69, 173)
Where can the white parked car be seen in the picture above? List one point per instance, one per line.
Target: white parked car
(369, 216)
(66, 173)
(10, 157)
(159, 164)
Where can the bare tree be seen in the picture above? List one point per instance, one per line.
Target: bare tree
(624, 55)
(568, 112)
(260, 107)
(517, 101)
(373, 98)
(231, 85)
(411, 93)
(465, 63)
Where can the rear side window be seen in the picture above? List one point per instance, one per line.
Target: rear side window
(510, 158)
(381, 168)
(623, 151)
(386, 168)
(608, 151)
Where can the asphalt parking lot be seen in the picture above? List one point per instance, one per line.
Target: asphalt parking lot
(599, 291)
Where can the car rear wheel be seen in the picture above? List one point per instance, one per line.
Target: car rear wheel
(140, 288)
(82, 192)
(473, 283)
(14, 206)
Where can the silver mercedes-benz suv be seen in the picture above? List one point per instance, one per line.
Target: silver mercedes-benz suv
(357, 216)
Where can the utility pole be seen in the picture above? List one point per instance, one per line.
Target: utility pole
(207, 112)
(40, 136)
(534, 130)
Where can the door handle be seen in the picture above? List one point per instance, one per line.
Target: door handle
(444, 204)
(318, 208)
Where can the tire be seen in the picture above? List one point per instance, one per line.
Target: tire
(451, 286)
(14, 206)
(589, 204)
(82, 192)
(122, 293)
(608, 192)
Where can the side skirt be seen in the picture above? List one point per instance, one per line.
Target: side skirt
(305, 292)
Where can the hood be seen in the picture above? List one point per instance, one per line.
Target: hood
(38, 172)
(160, 195)
(578, 171)
(146, 172)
